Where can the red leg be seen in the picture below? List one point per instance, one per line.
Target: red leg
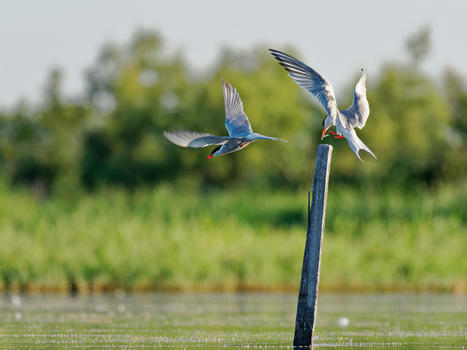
(335, 135)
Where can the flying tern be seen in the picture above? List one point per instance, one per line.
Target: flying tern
(236, 122)
(345, 121)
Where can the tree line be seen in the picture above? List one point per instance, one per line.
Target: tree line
(112, 133)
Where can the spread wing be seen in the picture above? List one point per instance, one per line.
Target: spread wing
(236, 121)
(310, 80)
(194, 139)
(358, 113)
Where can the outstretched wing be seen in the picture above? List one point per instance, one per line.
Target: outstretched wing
(236, 121)
(310, 80)
(194, 139)
(358, 113)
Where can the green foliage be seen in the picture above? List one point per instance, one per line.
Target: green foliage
(418, 44)
(410, 135)
(90, 221)
(40, 147)
(114, 135)
(171, 238)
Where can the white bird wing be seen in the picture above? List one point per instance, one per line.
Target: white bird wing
(236, 121)
(310, 80)
(358, 113)
(194, 139)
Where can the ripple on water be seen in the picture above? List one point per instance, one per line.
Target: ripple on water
(246, 320)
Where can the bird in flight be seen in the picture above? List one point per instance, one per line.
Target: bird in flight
(345, 121)
(236, 122)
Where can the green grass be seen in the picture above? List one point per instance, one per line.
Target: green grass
(172, 238)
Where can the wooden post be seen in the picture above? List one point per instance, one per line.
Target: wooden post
(308, 295)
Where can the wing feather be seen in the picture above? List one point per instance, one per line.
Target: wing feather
(194, 139)
(236, 121)
(310, 80)
(358, 113)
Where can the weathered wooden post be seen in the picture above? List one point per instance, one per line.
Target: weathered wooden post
(308, 295)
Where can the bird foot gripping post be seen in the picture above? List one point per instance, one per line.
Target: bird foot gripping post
(308, 295)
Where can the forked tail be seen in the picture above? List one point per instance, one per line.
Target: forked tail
(262, 137)
(356, 145)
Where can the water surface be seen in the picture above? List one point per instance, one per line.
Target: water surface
(249, 320)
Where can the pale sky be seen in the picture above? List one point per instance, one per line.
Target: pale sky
(335, 37)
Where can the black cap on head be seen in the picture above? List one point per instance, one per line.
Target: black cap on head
(215, 149)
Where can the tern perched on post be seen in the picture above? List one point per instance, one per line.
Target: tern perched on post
(345, 121)
(236, 123)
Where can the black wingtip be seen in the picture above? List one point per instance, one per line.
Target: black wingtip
(276, 53)
(282, 56)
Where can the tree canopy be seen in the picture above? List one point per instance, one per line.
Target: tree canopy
(113, 134)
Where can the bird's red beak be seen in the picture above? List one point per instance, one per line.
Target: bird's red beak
(323, 134)
(210, 156)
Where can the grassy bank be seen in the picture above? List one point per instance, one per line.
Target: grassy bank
(169, 238)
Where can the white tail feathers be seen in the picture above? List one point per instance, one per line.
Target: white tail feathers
(356, 145)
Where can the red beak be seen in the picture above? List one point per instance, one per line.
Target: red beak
(323, 134)
(210, 156)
